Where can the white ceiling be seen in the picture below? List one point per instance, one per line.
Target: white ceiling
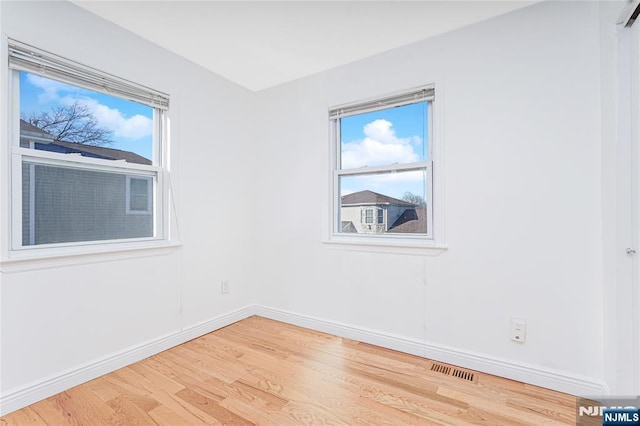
(259, 44)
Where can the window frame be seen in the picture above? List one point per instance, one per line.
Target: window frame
(433, 168)
(15, 155)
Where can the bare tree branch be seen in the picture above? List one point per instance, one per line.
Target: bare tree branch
(71, 123)
(413, 198)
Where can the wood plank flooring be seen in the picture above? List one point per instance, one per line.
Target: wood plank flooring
(263, 372)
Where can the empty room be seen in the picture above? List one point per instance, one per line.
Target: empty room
(309, 212)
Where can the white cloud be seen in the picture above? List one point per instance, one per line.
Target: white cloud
(382, 131)
(50, 88)
(381, 146)
(135, 127)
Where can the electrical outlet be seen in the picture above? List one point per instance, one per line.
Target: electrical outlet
(224, 287)
(518, 330)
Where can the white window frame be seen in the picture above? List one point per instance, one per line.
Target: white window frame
(128, 194)
(29, 59)
(433, 169)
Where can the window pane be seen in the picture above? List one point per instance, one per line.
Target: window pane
(65, 204)
(63, 118)
(391, 136)
(399, 198)
(139, 195)
(369, 216)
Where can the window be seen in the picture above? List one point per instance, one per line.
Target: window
(87, 154)
(139, 195)
(383, 162)
(368, 216)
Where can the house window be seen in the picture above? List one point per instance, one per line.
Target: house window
(139, 195)
(368, 216)
(384, 162)
(87, 154)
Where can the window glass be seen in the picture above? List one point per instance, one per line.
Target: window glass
(68, 204)
(63, 118)
(390, 136)
(400, 194)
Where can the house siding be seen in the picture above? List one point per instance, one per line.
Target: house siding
(356, 214)
(74, 205)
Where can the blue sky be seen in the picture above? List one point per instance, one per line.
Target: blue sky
(395, 135)
(131, 123)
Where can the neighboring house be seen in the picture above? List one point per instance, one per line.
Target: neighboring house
(88, 205)
(34, 137)
(367, 212)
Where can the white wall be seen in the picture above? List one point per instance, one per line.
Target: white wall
(519, 98)
(529, 161)
(57, 318)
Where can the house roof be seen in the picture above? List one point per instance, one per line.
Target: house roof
(412, 221)
(367, 197)
(31, 128)
(30, 131)
(102, 152)
(48, 144)
(348, 226)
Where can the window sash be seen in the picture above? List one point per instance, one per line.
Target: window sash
(336, 132)
(152, 173)
(23, 57)
(427, 168)
(390, 168)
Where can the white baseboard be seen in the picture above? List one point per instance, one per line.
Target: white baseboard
(37, 391)
(544, 377)
(535, 375)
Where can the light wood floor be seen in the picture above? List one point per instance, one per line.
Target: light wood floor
(259, 371)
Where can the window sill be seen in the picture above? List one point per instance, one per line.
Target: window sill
(32, 260)
(418, 247)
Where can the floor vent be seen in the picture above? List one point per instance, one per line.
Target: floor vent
(462, 374)
(439, 368)
(452, 371)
